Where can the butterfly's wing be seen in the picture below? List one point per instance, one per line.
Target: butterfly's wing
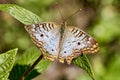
(76, 42)
(46, 37)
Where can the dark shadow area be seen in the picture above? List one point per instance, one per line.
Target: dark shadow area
(18, 71)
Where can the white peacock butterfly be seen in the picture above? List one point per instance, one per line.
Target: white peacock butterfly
(57, 41)
(61, 42)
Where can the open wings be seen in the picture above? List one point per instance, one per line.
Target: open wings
(55, 45)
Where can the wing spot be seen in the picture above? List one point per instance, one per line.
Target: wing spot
(41, 35)
(52, 49)
(78, 43)
(64, 51)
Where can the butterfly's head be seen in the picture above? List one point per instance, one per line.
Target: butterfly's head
(63, 23)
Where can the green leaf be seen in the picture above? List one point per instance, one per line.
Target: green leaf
(29, 56)
(6, 63)
(42, 65)
(84, 63)
(21, 14)
(25, 61)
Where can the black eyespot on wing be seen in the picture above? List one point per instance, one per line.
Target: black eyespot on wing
(78, 43)
(64, 51)
(41, 35)
(52, 49)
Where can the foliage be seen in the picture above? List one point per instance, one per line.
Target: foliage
(25, 61)
(83, 62)
(20, 13)
(7, 61)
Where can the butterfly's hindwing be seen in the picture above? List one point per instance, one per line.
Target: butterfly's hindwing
(46, 36)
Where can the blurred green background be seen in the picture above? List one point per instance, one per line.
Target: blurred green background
(99, 18)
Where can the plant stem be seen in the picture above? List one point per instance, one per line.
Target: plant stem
(31, 68)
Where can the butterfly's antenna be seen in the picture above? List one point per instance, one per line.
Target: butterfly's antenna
(60, 12)
(73, 14)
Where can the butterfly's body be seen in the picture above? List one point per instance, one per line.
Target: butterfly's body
(61, 42)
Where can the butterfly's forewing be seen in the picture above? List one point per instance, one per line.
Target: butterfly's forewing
(46, 37)
(76, 42)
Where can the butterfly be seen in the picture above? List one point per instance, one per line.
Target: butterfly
(61, 42)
